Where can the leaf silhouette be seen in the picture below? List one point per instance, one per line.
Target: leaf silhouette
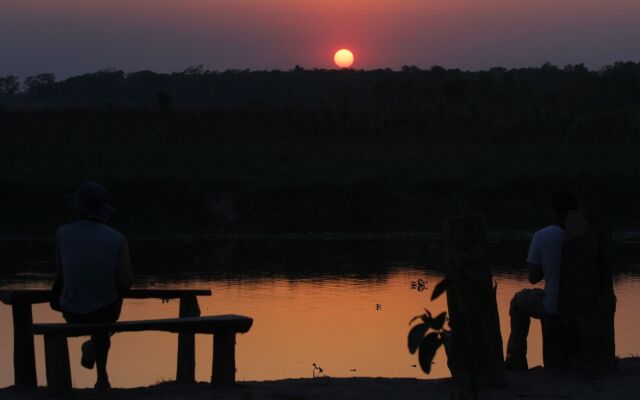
(438, 322)
(415, 318)
(416, 334)
(439, 289)
(427, 351)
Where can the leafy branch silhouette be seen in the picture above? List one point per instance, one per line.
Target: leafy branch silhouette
(428, 335)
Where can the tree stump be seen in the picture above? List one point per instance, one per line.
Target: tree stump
(474, 346)
(582, 337)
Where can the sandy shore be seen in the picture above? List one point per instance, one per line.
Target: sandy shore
(534, 384)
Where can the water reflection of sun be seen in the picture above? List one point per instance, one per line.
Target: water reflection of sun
(341, 323)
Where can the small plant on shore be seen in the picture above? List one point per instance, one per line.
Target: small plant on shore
(317, 371)
(428, 335)
(419, 285)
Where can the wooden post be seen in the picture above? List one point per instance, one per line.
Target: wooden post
(186, 369)
(24, 360)
(474, 348)
(57, 363)
(584, 338)
(224, 358)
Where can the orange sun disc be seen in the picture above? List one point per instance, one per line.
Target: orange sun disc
(343, 58)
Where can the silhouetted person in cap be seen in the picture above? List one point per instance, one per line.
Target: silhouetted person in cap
(544, 259)
(94, 268)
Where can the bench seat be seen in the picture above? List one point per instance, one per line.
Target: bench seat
(223, 328)
(237, 323)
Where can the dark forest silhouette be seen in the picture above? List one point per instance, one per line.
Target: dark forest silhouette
(472, 94)
(322, 150)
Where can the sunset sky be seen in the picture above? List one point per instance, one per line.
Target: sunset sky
(69, 37)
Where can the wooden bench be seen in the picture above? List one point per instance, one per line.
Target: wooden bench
(24, 360)
(223, 328)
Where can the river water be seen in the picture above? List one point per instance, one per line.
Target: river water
(344, 307)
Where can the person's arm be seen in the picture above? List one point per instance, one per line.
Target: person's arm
(56, 289)
(535, 273)
(124, 275)
(534, 258)
(58, 259)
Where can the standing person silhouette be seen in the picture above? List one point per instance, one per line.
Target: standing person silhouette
(93, 270)
(544, 259)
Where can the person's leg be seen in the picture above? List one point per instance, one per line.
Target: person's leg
(101, 344)
(95, 351)
(525, 305)
(88, 358)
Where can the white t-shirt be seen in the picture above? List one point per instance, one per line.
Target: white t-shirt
(546, 250)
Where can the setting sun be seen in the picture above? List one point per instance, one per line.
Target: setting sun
(343, 58)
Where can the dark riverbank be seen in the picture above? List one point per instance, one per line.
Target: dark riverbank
(181, 257)
(534, 384)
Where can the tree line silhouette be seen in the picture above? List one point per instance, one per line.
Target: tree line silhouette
(570, 101)
(322, 150)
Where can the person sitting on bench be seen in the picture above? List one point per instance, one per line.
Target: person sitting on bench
(93, 269)
(544, 259)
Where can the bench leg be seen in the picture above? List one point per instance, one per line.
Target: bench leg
(24, 359)
(186, 369)
(224, 358)
(56, 353)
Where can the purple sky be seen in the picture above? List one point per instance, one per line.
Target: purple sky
(69, 37)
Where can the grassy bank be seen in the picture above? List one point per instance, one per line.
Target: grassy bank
(533, 384)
